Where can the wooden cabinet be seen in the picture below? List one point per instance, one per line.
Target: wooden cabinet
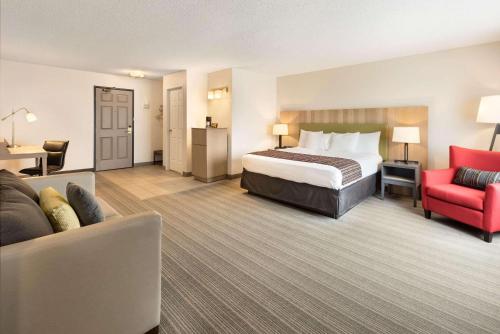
(209, 154)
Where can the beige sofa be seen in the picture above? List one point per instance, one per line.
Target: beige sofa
(102, 278)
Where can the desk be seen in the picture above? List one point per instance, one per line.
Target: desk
(24, 152)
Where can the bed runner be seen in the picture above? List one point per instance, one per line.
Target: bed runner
(350, 169)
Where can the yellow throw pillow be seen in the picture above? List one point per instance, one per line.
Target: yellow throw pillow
(61, 215)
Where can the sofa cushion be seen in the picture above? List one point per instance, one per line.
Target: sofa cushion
(107, 209)
(85, 204)
(20, 217)
(475, 178)
(61, 215)
(9, 179)
(453, 193)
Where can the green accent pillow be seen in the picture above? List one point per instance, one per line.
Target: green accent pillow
(85, 204)
(61, 215)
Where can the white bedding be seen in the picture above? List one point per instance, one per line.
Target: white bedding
(311, 173)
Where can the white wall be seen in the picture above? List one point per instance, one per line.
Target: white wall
(196, 102)
(254, 112)
(194, 84)
(450, 83)
(220, 109)
(248, 112)
(63, 101)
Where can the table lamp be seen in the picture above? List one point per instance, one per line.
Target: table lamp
(489, 112)
(30, 117)
(280, 130)
(406, 135)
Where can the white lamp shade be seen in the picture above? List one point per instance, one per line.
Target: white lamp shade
(280, 129)
(489, 109)
(406, 134)
(211, 95)
(30, 117)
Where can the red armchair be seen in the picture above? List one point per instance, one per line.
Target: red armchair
(467, 205)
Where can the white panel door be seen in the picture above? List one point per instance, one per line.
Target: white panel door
(176, 131)
(113, 128)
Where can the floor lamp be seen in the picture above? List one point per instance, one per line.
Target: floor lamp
(30, 117)
(489, 112)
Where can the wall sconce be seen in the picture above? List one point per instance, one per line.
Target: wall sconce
(217, 93)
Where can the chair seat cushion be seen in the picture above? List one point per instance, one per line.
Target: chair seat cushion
(463, 196)
(108, 211)
(38, 170)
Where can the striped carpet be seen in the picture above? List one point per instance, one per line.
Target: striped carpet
(235, 263)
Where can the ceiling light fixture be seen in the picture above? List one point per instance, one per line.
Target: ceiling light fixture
(136, 74)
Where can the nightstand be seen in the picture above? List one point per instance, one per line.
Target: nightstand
(401, 174)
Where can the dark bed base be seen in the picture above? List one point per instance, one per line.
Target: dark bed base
(154, 330)
(329, 202)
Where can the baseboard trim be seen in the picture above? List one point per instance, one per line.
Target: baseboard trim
(233, 176)
(210, 179)
(146, 163)
(186, 174)
(74, 171)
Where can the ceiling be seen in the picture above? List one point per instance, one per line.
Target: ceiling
(274, 36)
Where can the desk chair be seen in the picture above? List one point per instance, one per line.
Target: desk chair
(56, 150)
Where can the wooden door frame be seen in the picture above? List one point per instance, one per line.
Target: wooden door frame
(184, 125)
(95, 124)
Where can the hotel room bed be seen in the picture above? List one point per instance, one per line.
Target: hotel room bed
(312, 186)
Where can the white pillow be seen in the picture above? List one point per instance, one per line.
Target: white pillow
(344, 142)
(326, 140)
(315, 141)
(303, 137)
(368, 142)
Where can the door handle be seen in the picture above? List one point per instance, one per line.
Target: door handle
(129, 130)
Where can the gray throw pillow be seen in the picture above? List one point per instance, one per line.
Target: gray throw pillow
(9, 179)
(20, 217)
(85, 204)
(475, 178)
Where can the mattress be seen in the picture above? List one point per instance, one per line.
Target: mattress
(311, 173)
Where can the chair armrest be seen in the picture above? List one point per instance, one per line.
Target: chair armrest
(433, 177)
(102, 278)
(492, 208)
(59, 181)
